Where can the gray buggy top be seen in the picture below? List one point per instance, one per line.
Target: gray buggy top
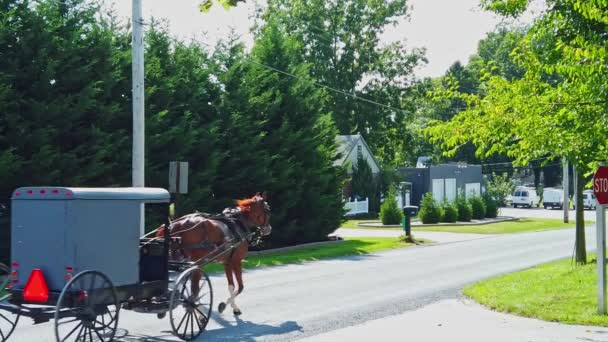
(63, 230)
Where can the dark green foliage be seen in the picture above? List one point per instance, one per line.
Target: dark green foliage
(390, 213)
(365, 184)
(478, 207)
(449, 212)
(429, 212)
(491, 206)
(279, 137)
(65, 104)
(465, 211)
(364, 216)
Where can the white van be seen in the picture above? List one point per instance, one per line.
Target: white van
(525, 197)
(589, 201)
(553, 198)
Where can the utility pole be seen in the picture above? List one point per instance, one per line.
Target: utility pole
(566, 185)
(137, 49)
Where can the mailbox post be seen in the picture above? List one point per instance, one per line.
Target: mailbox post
(408, 212)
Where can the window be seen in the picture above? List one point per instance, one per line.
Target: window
(524, 194)
(359, 151)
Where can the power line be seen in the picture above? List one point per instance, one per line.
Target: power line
(354, 96)
(511, 163)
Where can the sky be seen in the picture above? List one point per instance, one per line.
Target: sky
(449, 29)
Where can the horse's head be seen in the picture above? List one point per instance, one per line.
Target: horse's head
(257, 212)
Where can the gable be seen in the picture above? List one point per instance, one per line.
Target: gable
(348, 147)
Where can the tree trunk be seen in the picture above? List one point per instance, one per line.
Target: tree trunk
(581, 252)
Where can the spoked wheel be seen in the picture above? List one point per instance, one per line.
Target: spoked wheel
(87, 309)
(8, 320)
(191, 303)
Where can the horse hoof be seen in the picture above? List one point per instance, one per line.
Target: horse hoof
(237, 312)
(221, 307)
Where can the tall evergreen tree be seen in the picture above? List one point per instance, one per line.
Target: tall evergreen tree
(281, 138)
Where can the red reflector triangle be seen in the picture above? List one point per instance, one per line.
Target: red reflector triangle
(35, 288)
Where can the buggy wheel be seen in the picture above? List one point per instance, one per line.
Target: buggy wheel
(191, 303)
(8, 320)
(87, 309)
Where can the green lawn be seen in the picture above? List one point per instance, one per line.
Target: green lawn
(354, 246)
(519, 226)
(559, 292)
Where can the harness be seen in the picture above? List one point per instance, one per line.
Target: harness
(237, 231)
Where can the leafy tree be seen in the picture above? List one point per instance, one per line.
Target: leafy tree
(206, 5)
(559, 101)
(500, 187)
(494, 49)
(340, 40)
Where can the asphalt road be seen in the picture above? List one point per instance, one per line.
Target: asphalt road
(286, 303)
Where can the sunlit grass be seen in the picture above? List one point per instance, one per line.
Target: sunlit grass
(559, 291)
(350, 246)
(506, 227)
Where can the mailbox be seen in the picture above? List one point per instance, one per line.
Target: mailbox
(409, 211)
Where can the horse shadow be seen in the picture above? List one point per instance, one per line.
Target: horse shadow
(247, 331)
(240, 330)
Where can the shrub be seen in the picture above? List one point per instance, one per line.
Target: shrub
(479, 208)
(389, 211)
(449, 212)
(491, 206)
(500, 187)
(465, 211)
(429, 210)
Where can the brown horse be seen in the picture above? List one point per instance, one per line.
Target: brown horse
(206, 237)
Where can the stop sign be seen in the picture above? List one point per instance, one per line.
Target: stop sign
(600, 185)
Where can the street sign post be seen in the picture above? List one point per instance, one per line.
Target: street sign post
(178, 184)
(178, 177)
(600, 189)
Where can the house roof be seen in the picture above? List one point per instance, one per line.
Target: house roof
(346, 144)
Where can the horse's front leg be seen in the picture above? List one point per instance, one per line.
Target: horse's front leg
(237, 268)
(230, 301)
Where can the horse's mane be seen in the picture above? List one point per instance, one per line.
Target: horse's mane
(245, 204)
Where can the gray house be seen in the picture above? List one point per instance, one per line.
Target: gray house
(443, 181)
